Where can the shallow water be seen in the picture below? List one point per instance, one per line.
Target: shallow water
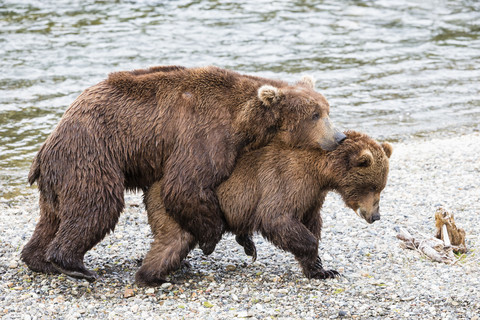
(392, 68)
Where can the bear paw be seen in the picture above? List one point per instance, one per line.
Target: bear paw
(41, 266)
(144, 278)
(248, 245)
(208, 247)
(185, 264)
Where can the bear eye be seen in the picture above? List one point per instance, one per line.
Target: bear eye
(316, 116)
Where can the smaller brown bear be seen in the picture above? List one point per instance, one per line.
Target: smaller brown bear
(278, 191)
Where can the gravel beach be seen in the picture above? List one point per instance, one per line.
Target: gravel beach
(380, 280)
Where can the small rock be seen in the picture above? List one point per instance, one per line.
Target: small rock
(342, 313)
(150, 291)
(231, 267)
(13, 264)
(128, 293)
(165, 285)
(244, 314)
(210, 278)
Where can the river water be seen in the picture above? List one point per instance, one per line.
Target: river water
(394, 69)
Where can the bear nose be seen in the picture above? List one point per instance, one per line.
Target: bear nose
(339, 137)
(375, 217)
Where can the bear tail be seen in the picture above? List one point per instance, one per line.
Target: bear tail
(34, 171)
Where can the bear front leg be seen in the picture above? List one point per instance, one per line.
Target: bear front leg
(245, 240)
(293, 236)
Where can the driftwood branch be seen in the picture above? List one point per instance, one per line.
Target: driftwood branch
(431, 247)
(448, 239)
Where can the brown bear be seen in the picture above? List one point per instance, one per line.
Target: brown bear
(183, 126)
(278, 191)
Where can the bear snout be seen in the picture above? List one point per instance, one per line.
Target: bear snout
(368, 216)
(339, 137)
(331, 137)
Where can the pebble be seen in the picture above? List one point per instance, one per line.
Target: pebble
(231, 267)
(165, 285)
(390, 281)
(150, 291)
(128, 293)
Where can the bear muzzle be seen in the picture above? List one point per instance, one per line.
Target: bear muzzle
(339, 136)
(332, 137)
(370, 217)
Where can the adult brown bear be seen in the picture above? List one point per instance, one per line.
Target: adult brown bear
(183, 126)
(278, 191)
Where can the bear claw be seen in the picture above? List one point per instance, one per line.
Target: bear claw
(325, 274)
(82, 273)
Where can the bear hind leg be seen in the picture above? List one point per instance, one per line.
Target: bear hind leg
(34, 252)
(83, 224)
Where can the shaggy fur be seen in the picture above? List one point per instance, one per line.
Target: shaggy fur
(278, 191)
(184, 127)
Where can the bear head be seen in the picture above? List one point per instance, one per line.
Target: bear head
(360, 169)
(303, 115)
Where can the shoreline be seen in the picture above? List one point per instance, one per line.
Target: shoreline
(19, 188)
(379, 279)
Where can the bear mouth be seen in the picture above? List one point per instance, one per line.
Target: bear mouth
(362, 214)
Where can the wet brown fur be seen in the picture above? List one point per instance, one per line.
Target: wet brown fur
(182, 126)
(278, 191)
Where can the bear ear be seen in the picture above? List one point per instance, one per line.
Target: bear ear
(387, 147)
(307, 81)
(363, 159)
(268, 94)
